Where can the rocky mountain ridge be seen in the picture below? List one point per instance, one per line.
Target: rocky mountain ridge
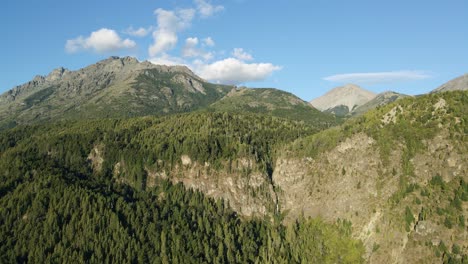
(114, 87)
(107, 70)
(124, 87)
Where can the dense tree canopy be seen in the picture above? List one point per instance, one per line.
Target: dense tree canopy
(55, 207)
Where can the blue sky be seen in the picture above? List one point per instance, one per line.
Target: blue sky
(304, 47)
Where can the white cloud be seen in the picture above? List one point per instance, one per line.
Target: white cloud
(234, 71)
(190, 50)
(174, 20)
(163, 41)
(208, 42)
(196, 53)
(378, 77)
(242, 55)
(169, 23)
(206, 9)
(138, 32)
(101, 41)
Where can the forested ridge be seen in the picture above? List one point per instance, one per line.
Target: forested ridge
(57, 207)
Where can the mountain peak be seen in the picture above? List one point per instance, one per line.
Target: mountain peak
(350, 86)
(123, 60)
(56, 74)
(116, 62)
(113, 87)
(347, 96)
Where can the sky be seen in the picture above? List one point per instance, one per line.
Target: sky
(301, 46)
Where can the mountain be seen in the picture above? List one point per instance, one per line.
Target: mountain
(399, 173)
(460, 83)
(394, 178)
(380, 99)
(202, 177)
(114, 87)
(273, 102)
(342, 100)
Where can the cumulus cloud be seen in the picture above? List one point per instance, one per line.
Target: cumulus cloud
(234, 71)
(191, 50)
(138, 32)
(208, 42)
(242, 55)
(101, 41)
(197, 53)
(169, 24)
(205, 9)
(163, 41)
(378, 77)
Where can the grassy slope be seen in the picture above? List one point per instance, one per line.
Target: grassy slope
(272, 102)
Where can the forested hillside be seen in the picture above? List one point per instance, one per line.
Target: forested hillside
(273, 102)
(62, 199)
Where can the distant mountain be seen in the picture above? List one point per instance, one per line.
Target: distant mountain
(114, 87)
(273, 102)
(342, 100)
(380, 100)
(460, 83)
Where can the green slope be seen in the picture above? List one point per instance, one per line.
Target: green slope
(379, 101)
(273, 102)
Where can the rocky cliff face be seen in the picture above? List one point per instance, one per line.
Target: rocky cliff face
(242, 184)
(394, 199)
